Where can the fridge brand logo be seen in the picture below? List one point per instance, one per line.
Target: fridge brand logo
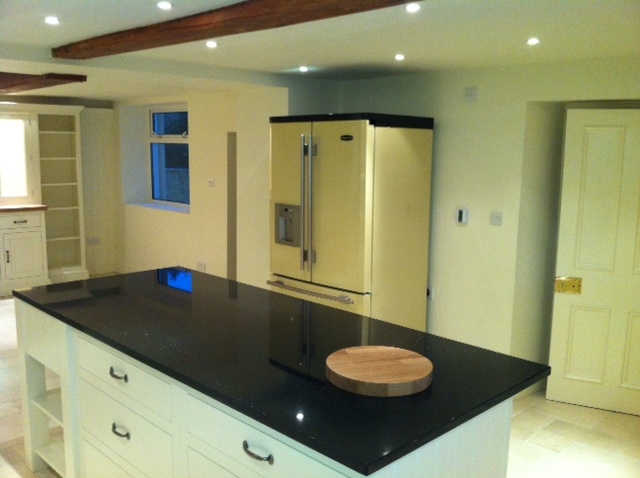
(346, 137)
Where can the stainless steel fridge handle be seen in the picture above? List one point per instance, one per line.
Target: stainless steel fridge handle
(311, 256)
(303, 215)
(343, 299)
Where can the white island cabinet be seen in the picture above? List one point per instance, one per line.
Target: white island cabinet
(173, 373)
(115, 417)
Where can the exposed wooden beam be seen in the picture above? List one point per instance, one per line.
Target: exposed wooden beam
(16, 82)
(243, 17)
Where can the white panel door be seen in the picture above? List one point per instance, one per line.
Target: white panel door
(595, 344)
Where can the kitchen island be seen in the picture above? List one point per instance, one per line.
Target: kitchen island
(178, 373)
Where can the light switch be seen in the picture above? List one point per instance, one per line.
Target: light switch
(462, 216)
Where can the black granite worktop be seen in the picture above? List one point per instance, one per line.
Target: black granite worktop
(263, 354)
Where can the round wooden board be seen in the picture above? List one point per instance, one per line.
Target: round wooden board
(379, 371)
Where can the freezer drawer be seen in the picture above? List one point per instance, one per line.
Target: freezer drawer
(339, 299)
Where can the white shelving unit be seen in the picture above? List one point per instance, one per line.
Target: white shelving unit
(47, 402)
(61, 181)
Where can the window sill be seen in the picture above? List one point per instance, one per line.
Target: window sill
(183, 209)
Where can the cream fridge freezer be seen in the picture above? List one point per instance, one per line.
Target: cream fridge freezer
(350, 206)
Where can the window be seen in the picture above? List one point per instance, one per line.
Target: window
(13, 157)
(169, 151)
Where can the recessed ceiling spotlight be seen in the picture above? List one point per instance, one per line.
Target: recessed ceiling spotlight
(164, 5)
(533, 41)
(303, 69)
(399, 57)
(412, 7)
(52, 20)
(212, 44)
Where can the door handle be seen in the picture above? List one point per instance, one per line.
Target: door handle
(568, 285)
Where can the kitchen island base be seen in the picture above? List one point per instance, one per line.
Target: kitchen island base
(184, 432)
(173, 373)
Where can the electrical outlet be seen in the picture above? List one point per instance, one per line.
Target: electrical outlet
(93, 241)
(495, 219)
(471, 94)
(202, 266)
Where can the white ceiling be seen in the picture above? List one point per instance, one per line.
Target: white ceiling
(444, 34)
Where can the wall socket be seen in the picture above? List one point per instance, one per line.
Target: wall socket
(93, 241)
(202, 266)
(471, 94)
(495, 218)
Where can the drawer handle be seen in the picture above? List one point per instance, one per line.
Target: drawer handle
(113, 373)
(114, 430)
(23, 221)
(255, 456)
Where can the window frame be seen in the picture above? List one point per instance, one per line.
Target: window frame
(153, 138)
(32, 156)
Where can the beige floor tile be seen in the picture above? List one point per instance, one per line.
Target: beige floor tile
(584, 435)
(588, 461)
(527, 460)
(626, 427)
(581, 416)
(551, 441)
(529, 421)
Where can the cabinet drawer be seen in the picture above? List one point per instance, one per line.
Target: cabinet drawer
(228, 434)
(145, 446)
(201, 466)
(9, 221)
(145, 388)
(96, 465)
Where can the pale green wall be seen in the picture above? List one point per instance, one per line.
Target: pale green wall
(478, 271)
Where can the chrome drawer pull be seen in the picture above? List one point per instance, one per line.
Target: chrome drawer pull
(113, 373)
(245, 447)
(114, 430)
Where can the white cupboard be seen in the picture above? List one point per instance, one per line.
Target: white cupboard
(24, 257)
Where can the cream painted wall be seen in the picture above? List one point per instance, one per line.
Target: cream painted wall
(101, 191)
(254, 109)
(537, 224)
(479, 155)
(153, 237)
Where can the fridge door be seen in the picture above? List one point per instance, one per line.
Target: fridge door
(289, 210)
(340, 203)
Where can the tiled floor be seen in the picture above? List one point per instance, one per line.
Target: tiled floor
(548, 439)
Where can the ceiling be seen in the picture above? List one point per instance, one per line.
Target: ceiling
(444, 34)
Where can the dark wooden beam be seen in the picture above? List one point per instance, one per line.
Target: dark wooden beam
(243, 17)
(16, 82)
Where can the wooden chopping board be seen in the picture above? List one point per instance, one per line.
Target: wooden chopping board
(379, 371)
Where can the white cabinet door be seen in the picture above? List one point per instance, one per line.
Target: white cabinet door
(23, 255)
